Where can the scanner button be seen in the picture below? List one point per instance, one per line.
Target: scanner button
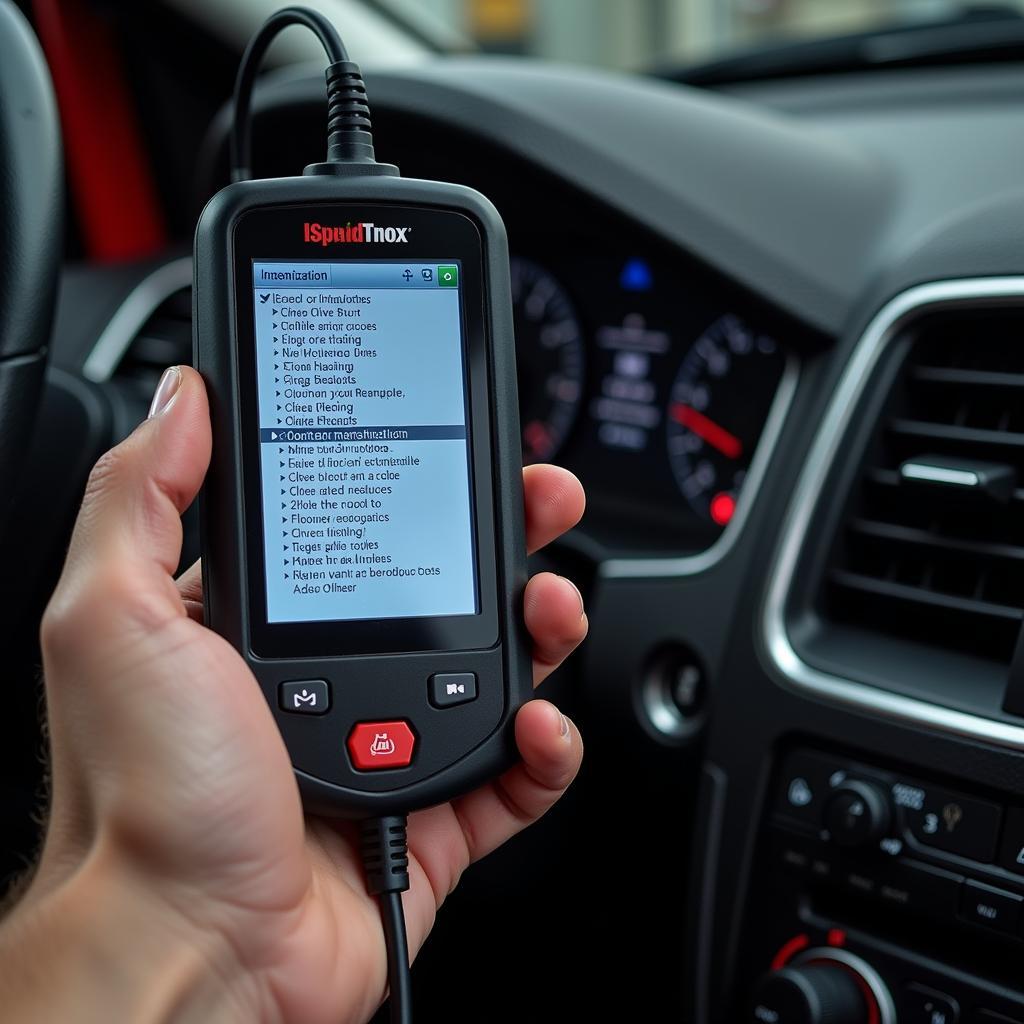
(377, 745)
(305, 697)
(450, 688)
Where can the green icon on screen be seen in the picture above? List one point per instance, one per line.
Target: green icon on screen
(448, 277)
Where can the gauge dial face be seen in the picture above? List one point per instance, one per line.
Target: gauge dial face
(719, 402)
(549, 349)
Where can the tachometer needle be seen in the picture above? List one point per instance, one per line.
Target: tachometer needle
(707, 430)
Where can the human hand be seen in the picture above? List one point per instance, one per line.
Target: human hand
(179, 879)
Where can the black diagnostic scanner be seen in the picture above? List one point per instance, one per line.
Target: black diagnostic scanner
(363, 541)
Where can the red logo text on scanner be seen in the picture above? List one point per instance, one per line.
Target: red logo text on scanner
(365, 232)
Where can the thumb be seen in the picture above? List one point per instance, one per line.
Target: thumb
(127, 540)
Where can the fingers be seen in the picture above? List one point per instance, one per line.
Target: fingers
(554, 503)
(553, 609)
(127, 540)
(556, 621)
(190, 586)
(551, 750)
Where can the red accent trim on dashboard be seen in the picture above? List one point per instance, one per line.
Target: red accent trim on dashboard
(789, 949)
(110, 180)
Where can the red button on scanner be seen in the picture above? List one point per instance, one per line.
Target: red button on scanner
(376, 745)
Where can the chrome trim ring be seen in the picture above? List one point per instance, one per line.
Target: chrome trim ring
(871, 977)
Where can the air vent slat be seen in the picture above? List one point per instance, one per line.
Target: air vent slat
(918, 595)
(920, 560)
(956, 434)
(881, 476)
(967, 378)
(905, 535)
(890, 478)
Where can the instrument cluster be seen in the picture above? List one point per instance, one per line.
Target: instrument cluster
(653, 382)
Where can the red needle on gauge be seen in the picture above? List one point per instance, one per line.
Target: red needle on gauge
(707, 430)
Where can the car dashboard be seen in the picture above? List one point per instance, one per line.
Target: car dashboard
(733, 317)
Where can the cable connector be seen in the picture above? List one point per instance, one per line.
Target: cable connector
(349, 132)
(349, 128)
(385, 850)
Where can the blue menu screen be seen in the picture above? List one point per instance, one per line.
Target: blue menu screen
(364, 440)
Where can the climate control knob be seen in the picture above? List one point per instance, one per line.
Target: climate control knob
(857, 813)
(826, 986)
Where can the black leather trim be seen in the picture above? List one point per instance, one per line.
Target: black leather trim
(31, 188)
(21, 380)
(31, 239)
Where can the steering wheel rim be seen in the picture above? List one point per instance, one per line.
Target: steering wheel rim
(31, 212)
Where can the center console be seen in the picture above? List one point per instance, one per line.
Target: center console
(880, 896)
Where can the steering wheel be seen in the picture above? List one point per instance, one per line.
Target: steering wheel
(31, 209)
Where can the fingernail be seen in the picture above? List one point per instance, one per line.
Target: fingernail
(165, 391)
(565, 727)
(578, 594)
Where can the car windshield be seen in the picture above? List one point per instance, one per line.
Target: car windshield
(667, 34)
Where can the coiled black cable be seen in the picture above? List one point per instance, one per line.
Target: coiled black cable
(346, 94)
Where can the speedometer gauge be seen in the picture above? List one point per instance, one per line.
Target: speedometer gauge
(717, 409)
(549, 350)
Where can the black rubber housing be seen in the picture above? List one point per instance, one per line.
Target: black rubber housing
(457, 748)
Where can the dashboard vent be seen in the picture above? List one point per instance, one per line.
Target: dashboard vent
(934, 562)
(165, 339)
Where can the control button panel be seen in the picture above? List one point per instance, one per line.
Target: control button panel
(877, 837)
(902, 884)
(804, 787)
(800, 857)
(991, 908)
(857, 813)
(447, 689)
(950, 821)
(374, 746)
(1011, 849)
(305, 697)
(922, 1005)
(921, 888)
(923, 881)
(859, 805)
